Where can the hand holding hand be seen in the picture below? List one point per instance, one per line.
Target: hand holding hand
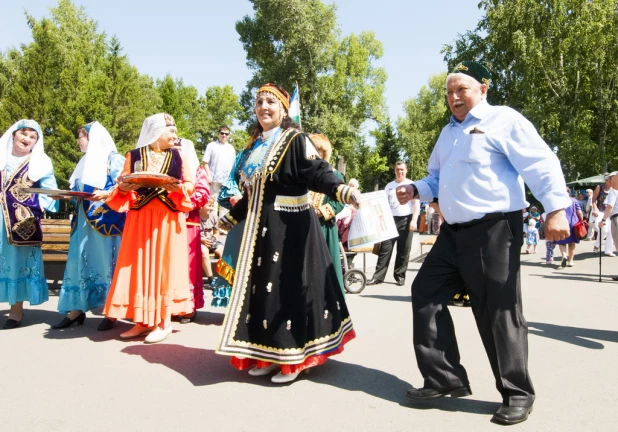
(556, 226)
(355, 198)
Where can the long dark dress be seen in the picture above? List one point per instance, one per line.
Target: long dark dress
(287, 306)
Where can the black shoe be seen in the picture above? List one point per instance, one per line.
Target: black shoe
(457, 300)
(508, 415)
(564, 262)
(466, 301)
(106, 324)
(428, 394)
(11, 324)
(400, 282)
(68, 322)
(186, 319)
(615, 278)
(374, 281)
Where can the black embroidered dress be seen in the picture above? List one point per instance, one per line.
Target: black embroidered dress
(286, 305)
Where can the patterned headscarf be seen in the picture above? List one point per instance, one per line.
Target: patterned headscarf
(278, 92)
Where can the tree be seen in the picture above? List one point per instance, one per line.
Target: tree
(298, 41)
(557, 62)
(420, 126)
(389, 147)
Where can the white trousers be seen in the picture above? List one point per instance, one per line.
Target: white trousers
(605, 235)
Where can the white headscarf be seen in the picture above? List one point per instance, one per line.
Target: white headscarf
(153, 127)
(188, 149)
(40, 164)
(92, 167)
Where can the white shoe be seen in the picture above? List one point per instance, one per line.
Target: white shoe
(570, 264)
(158, 334)
(256, 371)
(610, 254)
(136, 331)
(281, 378)
(595, 249)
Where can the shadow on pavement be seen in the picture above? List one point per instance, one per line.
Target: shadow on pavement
(451, 404)
(357, 378)
(199, 366)
(389, 297)
(573, 335)
(572, 276)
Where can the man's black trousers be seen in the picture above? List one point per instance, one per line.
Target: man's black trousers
(485, 257)
(404, 243)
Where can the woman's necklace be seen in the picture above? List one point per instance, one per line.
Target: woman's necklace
(155, 159)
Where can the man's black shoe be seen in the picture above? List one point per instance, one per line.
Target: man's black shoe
(615, 278)
(374, 281)
(400, 282)
(508, 415)
(428, 394)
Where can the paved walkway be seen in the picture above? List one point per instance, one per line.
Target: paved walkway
(81, 379)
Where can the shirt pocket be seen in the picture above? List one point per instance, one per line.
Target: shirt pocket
(476, 149)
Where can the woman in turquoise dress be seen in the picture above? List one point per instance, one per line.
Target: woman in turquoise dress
(96, 230)
(23, 164)
(228, 195)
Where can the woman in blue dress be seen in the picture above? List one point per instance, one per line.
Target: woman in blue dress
(229, 194)
(96, 229)
(23, 164)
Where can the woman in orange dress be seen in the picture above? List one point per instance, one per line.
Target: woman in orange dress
(151, 282)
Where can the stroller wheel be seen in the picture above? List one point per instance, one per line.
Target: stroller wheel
(354, 281)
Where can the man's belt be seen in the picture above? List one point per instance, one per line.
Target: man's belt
(487, 217)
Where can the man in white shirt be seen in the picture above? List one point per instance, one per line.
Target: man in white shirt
(610, 215)
(406, 217)
(218, 160)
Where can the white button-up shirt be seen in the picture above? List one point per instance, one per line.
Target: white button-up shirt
(473, 174)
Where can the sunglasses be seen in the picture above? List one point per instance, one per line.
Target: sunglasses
(224, 133)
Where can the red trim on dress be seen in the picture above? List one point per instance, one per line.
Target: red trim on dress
(286, 369)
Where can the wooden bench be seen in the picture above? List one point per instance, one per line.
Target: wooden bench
(427, 242)
(55, 247)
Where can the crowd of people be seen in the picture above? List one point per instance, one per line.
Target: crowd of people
(139, 250)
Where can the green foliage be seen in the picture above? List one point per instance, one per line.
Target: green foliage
(389, 148)
(555, 61)
(420, 126)
(375, 167)
(290, 41)
(72, 74)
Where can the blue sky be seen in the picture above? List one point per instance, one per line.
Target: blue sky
(196, 40)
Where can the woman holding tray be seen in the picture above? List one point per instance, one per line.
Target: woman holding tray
(151, 281)
(96, 229)
(23, 164)
(286, 312)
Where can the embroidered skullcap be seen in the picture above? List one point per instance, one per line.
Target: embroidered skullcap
(475, 70)
(278, 92)
(88, 126)
(153, 128)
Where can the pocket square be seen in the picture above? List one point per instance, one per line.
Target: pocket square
(476, 131)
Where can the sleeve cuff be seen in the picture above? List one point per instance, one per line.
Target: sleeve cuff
(327, 212)
(344, 194)
(558, 201)
(424, 191)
